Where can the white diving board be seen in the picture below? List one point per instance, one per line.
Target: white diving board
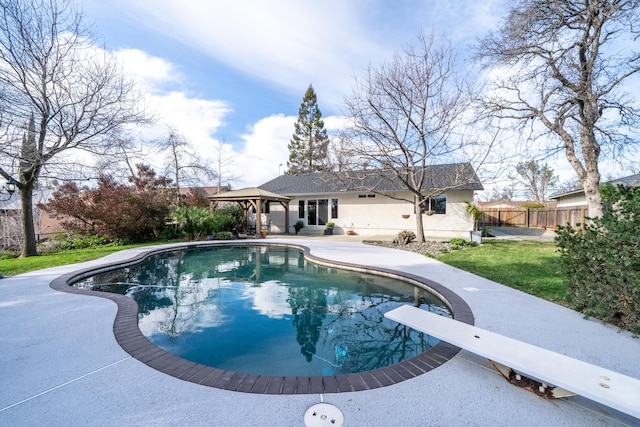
(610, 388)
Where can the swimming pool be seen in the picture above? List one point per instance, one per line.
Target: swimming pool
(265, 310)
(131, 339)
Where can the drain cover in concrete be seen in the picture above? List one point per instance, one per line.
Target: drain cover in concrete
(323, 414)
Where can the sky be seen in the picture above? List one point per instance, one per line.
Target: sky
(234, 72)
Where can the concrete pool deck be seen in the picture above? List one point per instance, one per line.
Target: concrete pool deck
(60, 364)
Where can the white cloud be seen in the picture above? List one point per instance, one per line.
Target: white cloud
(264, 150)
(149, 71)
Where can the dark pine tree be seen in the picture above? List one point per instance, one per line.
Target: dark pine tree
(308, 145)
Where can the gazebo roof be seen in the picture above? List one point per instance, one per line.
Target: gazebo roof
(250, 193)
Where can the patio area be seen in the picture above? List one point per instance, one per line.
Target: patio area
(60, 364)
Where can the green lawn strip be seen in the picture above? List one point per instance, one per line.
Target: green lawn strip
(13, 266)
(530, 266)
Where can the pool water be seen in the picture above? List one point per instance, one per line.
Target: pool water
(265, 310)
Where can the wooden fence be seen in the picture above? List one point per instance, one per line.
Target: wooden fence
(533, 218)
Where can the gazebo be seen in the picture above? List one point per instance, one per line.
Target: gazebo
(255, 197)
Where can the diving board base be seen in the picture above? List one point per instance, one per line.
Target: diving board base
(569, 375)
(539, 388)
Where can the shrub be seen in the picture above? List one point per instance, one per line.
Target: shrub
(136, 211)
(235, 210)
(223, 222)
(601, 264)
(224, 235)
(71, 241)
(458, 243)
(194, 222)
(405, 236)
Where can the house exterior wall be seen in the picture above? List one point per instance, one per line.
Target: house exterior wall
(368, 216)
(571, 200)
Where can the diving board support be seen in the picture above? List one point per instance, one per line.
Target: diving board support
(569, 375)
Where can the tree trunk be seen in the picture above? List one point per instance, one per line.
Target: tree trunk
(29, 247)
(591, 186)
(419, 225)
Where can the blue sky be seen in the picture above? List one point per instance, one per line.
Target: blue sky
(234, 73)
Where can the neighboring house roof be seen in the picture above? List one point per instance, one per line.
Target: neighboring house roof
(207, 191)
(459, 176)
(513, 204)
(628, 181)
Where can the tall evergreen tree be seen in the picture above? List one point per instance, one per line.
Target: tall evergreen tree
(308, 145)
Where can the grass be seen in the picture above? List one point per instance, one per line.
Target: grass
(528, 265)
(13, 266)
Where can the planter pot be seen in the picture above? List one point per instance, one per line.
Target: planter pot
(428, 213)
(351, 232)
(405, 216)
(263, 234)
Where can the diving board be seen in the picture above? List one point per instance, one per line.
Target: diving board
(610, 388)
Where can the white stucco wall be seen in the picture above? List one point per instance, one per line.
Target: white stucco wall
(378, 215)
(572, 200)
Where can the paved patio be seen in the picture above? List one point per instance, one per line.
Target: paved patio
(60, 364)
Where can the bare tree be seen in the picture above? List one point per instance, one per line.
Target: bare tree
(184, 166)
(77, 96)
(564, 64)
(223, 161)
(406, 117)
(537, 178)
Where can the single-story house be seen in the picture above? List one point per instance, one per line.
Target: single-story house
(367, 203)
(577, 198)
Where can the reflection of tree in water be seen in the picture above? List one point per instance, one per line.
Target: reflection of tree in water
(170, 285)
(184, 288)
(371, 339)
(309, 307)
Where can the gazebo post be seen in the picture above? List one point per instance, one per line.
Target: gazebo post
(259, 217)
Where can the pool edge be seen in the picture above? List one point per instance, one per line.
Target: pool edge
(129, 337)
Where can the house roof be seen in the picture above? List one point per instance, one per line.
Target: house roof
(628, 181)
(513, 204)
(459, 176)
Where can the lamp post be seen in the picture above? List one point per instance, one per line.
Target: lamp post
(10, 188)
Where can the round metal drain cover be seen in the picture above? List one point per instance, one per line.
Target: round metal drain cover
(323, 414)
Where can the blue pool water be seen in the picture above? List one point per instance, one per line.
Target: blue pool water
(265, 310)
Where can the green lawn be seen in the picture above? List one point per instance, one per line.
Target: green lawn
(528, 265)
(13, 266)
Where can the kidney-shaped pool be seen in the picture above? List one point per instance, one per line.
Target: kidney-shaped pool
(266, 311)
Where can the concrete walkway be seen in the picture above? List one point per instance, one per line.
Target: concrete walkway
(61, 366)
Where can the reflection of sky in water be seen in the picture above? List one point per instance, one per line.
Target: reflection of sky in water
(267, 311)
(270, 299)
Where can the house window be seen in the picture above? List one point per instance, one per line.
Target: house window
(438, 204)
(323, 211)
(317, 211)
(334, 208)
(312, 210)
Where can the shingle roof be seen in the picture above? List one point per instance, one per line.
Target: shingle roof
(459, 176)
(628, 181)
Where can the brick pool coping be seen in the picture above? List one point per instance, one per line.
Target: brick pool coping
(129, 337)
